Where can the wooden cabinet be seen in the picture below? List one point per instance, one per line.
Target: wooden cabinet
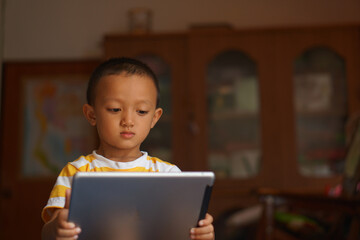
(343, 42)
(267, 70)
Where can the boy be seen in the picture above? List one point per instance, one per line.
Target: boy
(123, 105)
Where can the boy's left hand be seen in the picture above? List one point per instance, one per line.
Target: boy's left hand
(205, 230)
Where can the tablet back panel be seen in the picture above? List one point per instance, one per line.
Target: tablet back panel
(139, 206)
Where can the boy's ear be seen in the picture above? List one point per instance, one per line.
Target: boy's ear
(89, 114)
(156, 117)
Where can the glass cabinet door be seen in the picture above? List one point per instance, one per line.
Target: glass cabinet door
(158, 143)
(320, 99)
(233, 108)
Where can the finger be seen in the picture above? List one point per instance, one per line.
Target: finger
(207, 236)
(68, 233)
(202, 230)
(67, 198)
(62, 220)
(207, 221)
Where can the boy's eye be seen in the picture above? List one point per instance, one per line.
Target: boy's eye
(142, 112)
(114, 109)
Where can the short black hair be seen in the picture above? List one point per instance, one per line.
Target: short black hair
(115, 66)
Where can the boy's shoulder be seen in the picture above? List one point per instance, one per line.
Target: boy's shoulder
(162, 166)
(88, 158)
(157, 160)
(82, 161)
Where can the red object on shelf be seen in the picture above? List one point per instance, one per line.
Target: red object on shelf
(334, 191)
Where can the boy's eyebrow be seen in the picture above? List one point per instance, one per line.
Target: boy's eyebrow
(111, 99)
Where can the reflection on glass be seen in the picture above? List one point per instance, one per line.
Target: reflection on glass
(233, 100)
(321, 110)
(158, 143)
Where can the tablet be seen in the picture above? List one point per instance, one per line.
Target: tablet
(139, 206)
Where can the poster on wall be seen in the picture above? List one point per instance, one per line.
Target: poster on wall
(42, 125)
(54, 129)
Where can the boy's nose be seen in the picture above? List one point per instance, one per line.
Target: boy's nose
(126, 120)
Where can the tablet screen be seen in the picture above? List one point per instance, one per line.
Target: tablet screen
(139, 206)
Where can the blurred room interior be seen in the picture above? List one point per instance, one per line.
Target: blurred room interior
(264, 93)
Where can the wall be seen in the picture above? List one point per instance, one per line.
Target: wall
(73, 29)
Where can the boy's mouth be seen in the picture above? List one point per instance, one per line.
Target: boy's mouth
(127, 134)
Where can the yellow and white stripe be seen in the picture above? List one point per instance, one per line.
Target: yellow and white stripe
(97, 163)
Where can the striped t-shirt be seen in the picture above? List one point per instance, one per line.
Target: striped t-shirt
(97, 163)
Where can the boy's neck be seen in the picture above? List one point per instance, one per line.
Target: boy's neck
(119, 155)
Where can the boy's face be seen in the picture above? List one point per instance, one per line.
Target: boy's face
(124, 111)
